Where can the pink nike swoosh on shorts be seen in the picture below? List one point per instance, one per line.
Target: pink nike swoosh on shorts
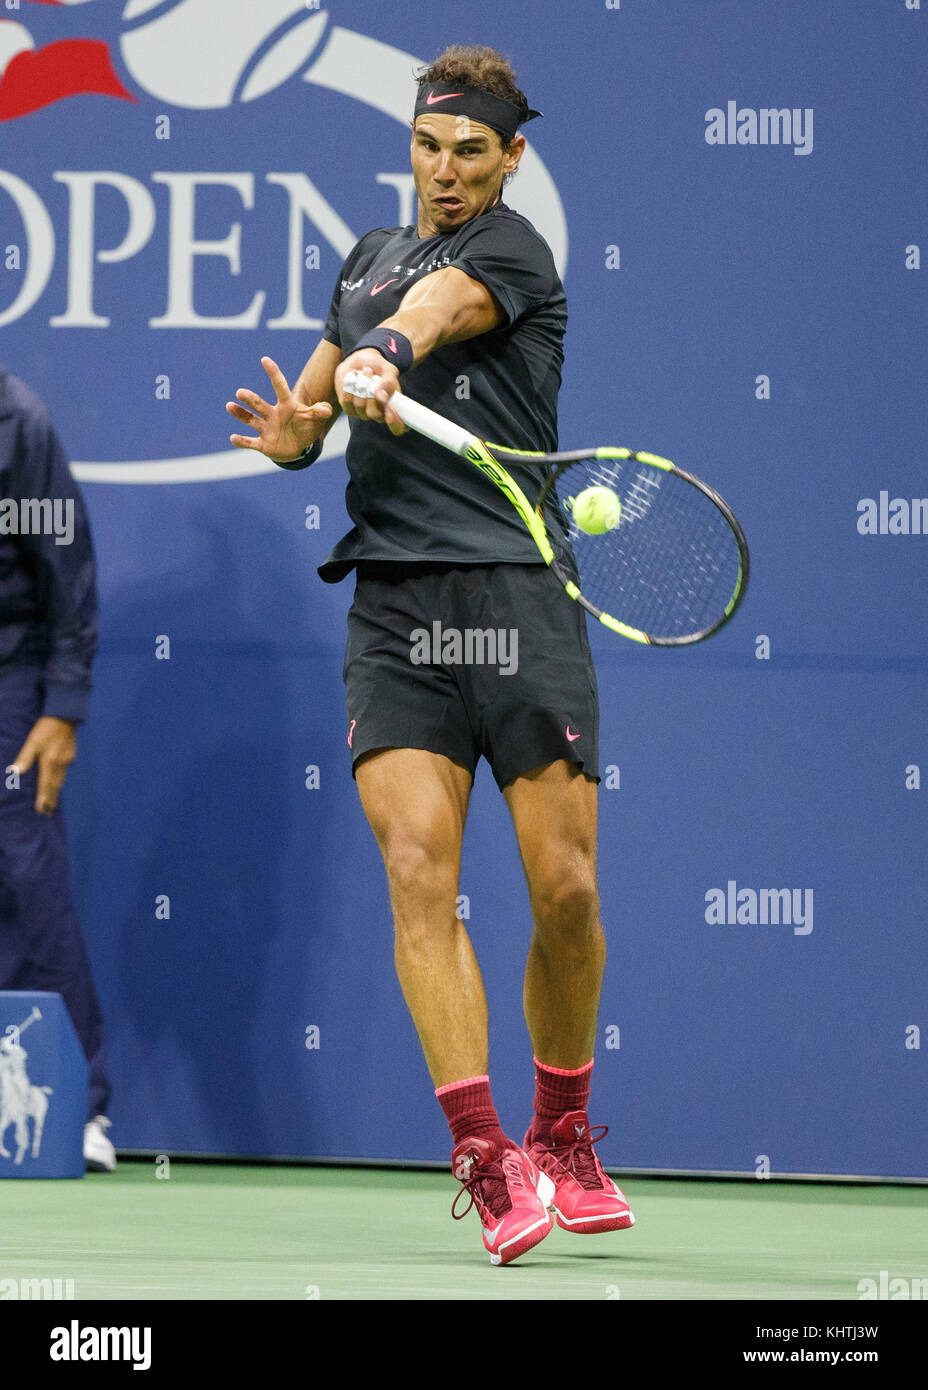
(572, 737)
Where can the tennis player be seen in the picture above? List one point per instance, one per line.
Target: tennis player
(466, 308)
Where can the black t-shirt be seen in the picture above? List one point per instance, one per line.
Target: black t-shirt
(410, 499)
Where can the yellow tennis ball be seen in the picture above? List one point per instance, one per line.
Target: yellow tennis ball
(596, 510)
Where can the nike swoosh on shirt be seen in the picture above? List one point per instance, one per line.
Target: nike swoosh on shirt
(573, 737)
(375, 289)
(431, 99)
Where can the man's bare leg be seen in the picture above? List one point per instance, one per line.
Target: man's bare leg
(554, 812)
(416, 803)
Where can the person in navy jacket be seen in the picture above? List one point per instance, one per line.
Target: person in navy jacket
(48, 638)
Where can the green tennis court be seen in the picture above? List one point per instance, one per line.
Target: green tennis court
(216, 1231)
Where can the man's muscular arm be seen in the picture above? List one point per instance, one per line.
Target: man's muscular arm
(447, 306)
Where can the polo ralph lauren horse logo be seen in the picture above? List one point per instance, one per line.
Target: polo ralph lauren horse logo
(20, 1101)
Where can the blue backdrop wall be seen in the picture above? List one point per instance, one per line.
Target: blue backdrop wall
(753, 310)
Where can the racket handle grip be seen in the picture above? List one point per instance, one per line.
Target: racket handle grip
(417, 416)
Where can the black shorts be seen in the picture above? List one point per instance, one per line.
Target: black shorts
(470, 660)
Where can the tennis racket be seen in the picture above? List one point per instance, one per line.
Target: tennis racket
(672, 566)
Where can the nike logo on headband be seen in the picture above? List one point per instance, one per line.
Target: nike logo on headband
(431, 99)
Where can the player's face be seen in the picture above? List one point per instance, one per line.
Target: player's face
(458, 166)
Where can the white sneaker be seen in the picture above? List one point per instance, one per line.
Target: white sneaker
(99, 1154)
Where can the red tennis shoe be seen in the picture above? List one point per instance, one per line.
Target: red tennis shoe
(585, 1200)
(510, 1193)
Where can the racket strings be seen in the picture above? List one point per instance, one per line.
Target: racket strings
(670, 566)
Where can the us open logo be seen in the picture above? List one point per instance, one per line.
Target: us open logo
(115, 268)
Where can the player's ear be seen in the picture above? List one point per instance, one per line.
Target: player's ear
(513, 154)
